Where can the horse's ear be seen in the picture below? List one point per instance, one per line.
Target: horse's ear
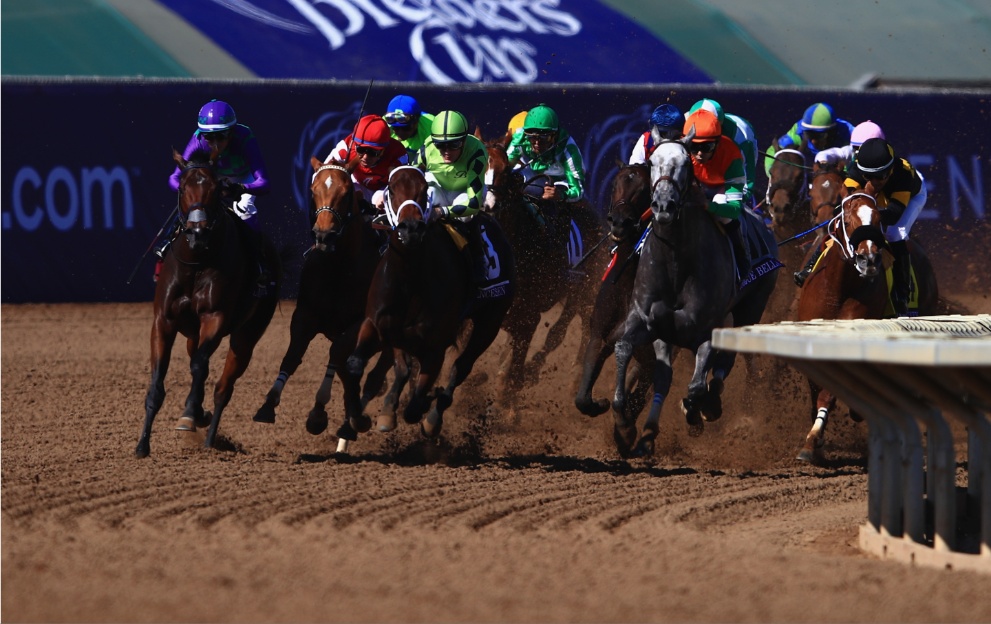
(478, 134)
(315, 162)
(177, 157)
(620, 164)
(688, 137)
(352, 164)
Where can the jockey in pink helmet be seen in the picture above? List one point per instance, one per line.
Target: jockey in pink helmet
(862, 132)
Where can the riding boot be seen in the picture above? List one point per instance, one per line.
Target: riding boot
(801, 276)
(740, 251)
(164, 247)
(901, 277)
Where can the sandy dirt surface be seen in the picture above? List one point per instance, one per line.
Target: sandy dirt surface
(521, 515)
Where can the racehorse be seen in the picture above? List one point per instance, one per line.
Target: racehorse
(629, 212)
(422, 293)
(684, 287)
(333, 289)
(849, 283)
(787, 197)
(205, 292)
(548, 240)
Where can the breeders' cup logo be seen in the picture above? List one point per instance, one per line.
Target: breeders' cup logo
(607, 146)
(318, 138)
(451, 40)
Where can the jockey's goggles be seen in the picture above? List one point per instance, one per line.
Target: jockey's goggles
(540, 136)
(450, 146)
(368, 151)
(397, 118)
(220, 135)
(707, 147)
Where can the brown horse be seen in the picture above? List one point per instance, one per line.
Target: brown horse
(628, 216)
(545, 237)
(333, 289)
(205, 292)
(787, 197)
(849, 282)
(423, 292)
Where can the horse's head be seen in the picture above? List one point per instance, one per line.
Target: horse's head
(408, 203)
(199, 197)
(630, 199)
(826, 191)
(334, 201)
(858, 230)
(671, 176)
(505, 185)
(787, 189)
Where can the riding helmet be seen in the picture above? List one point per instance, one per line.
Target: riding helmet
(818, 118)
(864, 131)
(372, 131)
(216, 116)
(667, 116)
(517, 122)
(541, 118)
(448, 126)
(712, 106)
(875, 156)
(403, 106)
(704, 125)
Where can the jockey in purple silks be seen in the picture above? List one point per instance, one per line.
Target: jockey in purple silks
(239, 166)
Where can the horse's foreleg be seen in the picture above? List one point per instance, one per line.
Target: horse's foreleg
(162, 340)
(367, 344)
(635, 333)
(199, 369)
(824, 402)
(697, 390)
(596, 352)
(238, 357)
(302, 330)
(390, 405)
(420, 399)
(662, 376)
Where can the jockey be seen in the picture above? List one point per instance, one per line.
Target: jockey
(901, 194)
(377, 153)
(454, 164)
(542, 147)
(846, 153)
(740, 132)
(239, 166)
(407, 122)
(718, 166)
(818, 129)
(668, 121)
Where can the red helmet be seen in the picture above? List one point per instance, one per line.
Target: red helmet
(372, 131)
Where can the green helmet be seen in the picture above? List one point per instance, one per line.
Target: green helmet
(541, 118)
(448, 126)
(710, 105)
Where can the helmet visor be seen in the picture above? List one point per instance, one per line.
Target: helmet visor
(398, 118)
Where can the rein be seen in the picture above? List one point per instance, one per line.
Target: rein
(393, 213)
(774, 156)
(838, 224)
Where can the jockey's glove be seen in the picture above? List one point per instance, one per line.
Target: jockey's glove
(244, 206)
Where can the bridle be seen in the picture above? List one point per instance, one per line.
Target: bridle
(803, 186)
(392, 213)
(848, 240)
(339, 218)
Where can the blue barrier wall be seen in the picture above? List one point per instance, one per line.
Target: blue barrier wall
(85, 162)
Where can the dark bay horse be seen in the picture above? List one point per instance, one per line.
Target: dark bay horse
(548, 238)
(629, 213)
(333, 289)
(787, 197)
(422, 294)
(684, 287)
(205, 292)
(849, 282)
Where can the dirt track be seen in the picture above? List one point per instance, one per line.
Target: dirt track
(521, 516)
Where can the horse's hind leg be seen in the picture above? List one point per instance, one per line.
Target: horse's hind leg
(390, 405)
(161, 349)
(662, 376)
(302, 330)
(697, 390)
(824, 401)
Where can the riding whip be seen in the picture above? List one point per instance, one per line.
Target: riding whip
(590, 251)
(801, 234)
(167, 223)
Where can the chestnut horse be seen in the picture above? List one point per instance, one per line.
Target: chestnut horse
(849, 282)
(333, 289)
(206, 292)
(548, 239)
(423, 292)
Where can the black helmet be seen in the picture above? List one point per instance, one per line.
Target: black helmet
(875, 157)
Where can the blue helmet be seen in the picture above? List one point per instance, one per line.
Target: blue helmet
(216, 116)
(818, 118)
(401, 110)
(667, 116)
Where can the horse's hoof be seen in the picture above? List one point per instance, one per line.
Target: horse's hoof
(265, 414)
(432, 424)
(361, 423)
(186, 423)
(807, 455)
(411, 416)
(695, 423)
(346, 432)
(143, 450)
(625, 438)
(644, 448)
(316, 421)
(592, 408)
(712, 404)
(385, 422)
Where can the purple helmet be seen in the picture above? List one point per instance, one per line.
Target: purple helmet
(216, 116)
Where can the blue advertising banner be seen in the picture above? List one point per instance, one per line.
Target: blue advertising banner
(84, 177)
(442, 42)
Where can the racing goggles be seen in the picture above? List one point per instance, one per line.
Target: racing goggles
(368, 151)
(397, 118)
(707, 147)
